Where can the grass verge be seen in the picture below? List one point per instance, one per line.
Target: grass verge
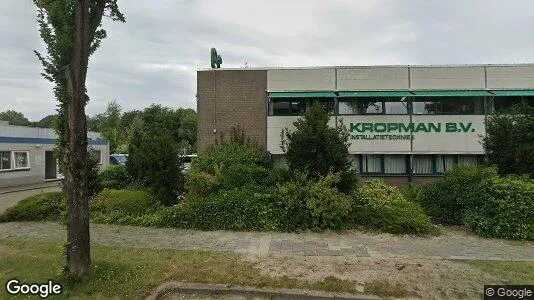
(135, 273)
(509, 272)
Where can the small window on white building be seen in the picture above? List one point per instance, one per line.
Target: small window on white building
(5, 160)
(21, 159)
(445, 163)
(394, 164)
(467, 160)
(422, 164)
(371, 164)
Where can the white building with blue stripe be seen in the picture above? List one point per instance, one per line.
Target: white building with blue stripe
(27, 156)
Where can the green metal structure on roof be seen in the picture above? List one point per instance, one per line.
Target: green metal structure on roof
(513, 92)
(424, 93)
(375, 94)
(301, 95)
(450, 93)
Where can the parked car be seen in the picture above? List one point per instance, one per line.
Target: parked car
(118, 159)
(187, 159)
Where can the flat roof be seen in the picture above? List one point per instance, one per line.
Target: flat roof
(368, 66)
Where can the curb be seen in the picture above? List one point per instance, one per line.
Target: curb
(279, 294)
(15, 189)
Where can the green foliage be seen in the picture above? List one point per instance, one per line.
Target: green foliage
(457, 192)
(221, 156)
(311, 204)
(45, 206)
(318, 149)
(122, 206)
(155, 163)
(14, 118)
(381, 206)
(227, 166)
(46, 122)
(109, 126)
(114, 177)
(478, 198)
(93, 169)
(509, 141)
(237, 209)
(507, 209)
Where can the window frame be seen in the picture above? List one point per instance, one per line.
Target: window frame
(14, 163)
(10, 161)
(436, 102)
(381, 100)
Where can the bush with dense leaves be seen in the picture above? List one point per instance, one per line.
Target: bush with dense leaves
(317, 149)
(311, 204)
(506, 210)
(154, 162)
(114, 177)
(122, 206)
(228, 166)
(457, 192)
(381, 206)
(44, 206)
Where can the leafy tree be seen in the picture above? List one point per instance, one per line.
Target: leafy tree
(72, 31)
(187, 133)
(14, 118)
(154, 160)
(109, 127)
(509, 141)
(46, 122)
(318, 149)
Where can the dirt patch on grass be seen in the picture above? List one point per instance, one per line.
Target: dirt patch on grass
(428, 279)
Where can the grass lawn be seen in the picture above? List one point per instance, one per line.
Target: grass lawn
(134, 273)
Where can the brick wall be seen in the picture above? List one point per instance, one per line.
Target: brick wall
(231, 98)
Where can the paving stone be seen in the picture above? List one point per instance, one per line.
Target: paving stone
(451, 245)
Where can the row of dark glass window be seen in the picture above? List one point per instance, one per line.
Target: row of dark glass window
(398, 105)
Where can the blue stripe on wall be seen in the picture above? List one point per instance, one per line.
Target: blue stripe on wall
(24, 140)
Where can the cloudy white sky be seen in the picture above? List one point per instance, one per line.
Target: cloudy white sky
(153, 57)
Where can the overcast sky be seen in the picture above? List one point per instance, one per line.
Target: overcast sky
(153, 57)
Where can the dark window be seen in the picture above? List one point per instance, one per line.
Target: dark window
(423, 106)
(505, 103)
(297, 106)
(5, 160)
(360, 106)
(448, 105)
(280, 108)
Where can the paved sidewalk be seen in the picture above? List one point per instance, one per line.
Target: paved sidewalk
(11, 197)
(350, 244)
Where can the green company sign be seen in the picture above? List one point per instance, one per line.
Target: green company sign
(390, 131)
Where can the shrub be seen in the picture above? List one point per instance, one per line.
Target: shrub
(457, 192)
(237, 209)
(311, 204)
(114, 177)
(228, 166)
(45, 206)
(381, 206)
(221, 156)
(507, 210)
(317, 148)
(122, 206)
(155, 163)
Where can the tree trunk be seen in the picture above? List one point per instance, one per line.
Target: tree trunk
(78, 240)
